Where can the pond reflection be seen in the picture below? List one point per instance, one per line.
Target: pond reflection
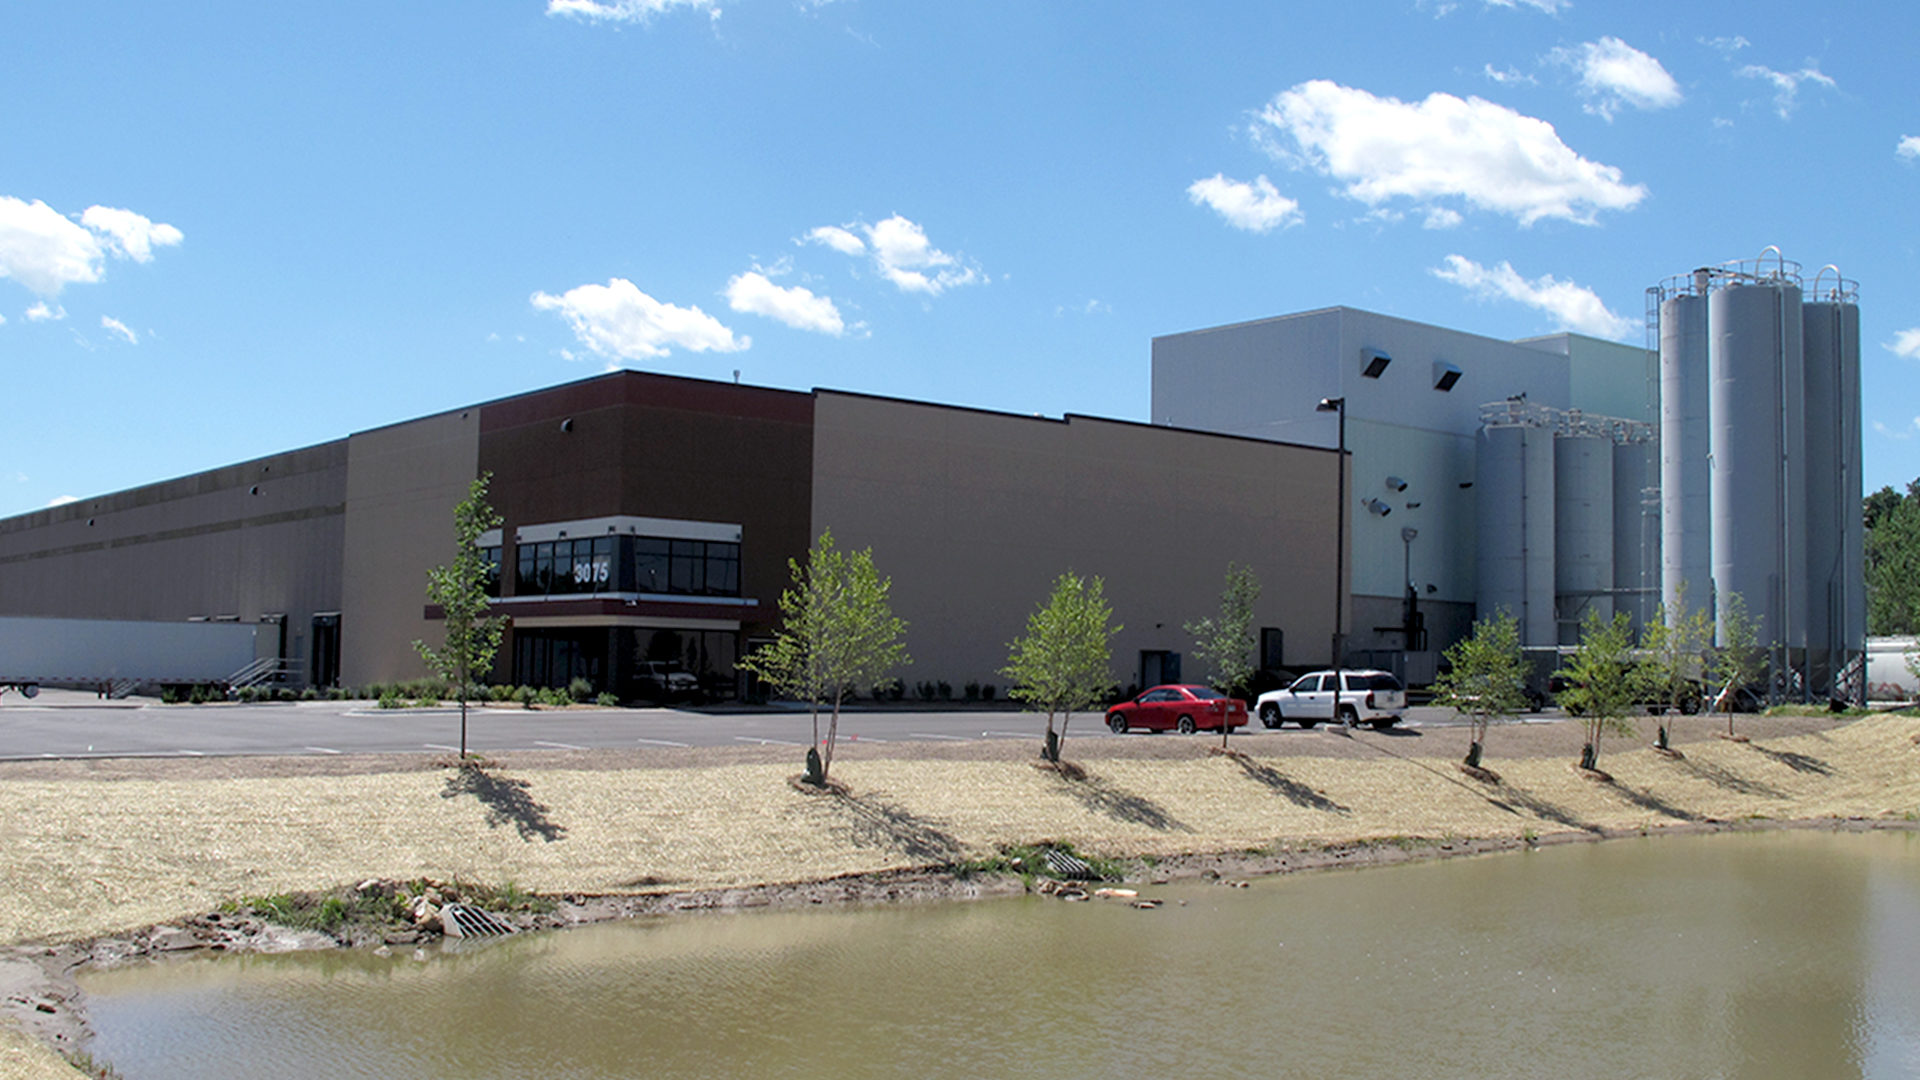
(1790, 955)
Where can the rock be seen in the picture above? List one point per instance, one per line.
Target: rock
(172, 939)
(1112, 893)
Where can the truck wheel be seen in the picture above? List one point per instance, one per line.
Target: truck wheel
(1270, 715)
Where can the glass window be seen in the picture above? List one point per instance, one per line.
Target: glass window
(1305, 684)
(490, 570)
(602, 562)
(1205, 693)
(543, 569)
(689, 567)
(650, 560)
(523, 580)
(562, 579)
(723, 569)
(1381, 681)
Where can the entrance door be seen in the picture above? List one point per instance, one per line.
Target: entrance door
(1158, 666)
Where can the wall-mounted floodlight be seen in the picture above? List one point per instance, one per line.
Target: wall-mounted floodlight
(1373, 362)
(1330, 404)
(1377, 508)
(1413, 504)
(1394, 483)
(1432, 588)
(1444, 375)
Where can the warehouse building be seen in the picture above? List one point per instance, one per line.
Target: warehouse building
(649, 520)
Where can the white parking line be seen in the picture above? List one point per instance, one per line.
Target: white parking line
(1006, 734)
(322, 750)
(558, 745)
(766, 742)
(440, 746)
(662, 742)
(191, 753)
(949, 738)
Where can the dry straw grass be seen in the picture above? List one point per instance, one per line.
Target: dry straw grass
(91, 853)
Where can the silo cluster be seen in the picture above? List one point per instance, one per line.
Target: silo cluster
(1565, 525)
(1760, 463)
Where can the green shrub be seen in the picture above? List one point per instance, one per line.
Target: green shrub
(579, 689)
(971, 692)
(285, 693)
(310, 694)
(248, 694)
(606, 700)
(549, 695)
(502, 692)
(987, 691)
(945, 689)
(391, 699)
(169, 695)
(197, 695)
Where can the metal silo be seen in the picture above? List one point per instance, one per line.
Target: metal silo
(1836, 608)
(1686, 560)
(1582, 526)
(1636, 531)
(1513, 477)
(1757, 436)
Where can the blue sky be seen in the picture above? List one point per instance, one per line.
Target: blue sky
(228, 229)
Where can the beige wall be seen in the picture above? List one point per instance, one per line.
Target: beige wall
(974, 514)
(403, 482)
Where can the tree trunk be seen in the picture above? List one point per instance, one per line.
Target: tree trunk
(1473, 755)
(1589, 756)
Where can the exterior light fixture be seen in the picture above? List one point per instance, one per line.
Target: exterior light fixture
(1377, 507)
(1394, 483)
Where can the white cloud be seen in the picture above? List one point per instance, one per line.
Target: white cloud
(62, 500)
(1786, 84)
(120, 328)
(618, 320)
(1615, 73)
(1902, 433)
(1510, 75)
(1725, 46)
(46, 251)
(41, 312)
(1909, 147)
(627, 11)
(839, 239)
(1256, 207)
(1441, 217)
(1575, 306)
(1906, 344)
(129, 234)
(1551, 7)
(902, 254)
(1489, 155)
(795, 305)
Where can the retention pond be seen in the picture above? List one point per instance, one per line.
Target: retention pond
(1781, 954)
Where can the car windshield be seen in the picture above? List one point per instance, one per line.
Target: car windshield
(1205, 693)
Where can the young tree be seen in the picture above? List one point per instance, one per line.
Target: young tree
(1893, 560)
(1670, 659)
(1600, 681)
(1225, 641)
(838, 632)
(1064, 662)
(460, 590)
(1486, 677)
(1740, 661)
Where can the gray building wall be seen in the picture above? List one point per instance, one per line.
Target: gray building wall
(1265, 378)
(256, 539)
(974, 514)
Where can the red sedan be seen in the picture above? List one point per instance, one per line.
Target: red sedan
(1185, 709)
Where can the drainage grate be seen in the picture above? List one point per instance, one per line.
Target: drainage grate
(1068, 866)
(461, 921)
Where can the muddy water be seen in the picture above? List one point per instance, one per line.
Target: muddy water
(1791, 955)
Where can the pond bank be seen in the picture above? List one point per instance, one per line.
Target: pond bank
(123, 851)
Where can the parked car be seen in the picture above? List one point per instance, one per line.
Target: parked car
(1366, 697)
(1181, 708)
(661, 681)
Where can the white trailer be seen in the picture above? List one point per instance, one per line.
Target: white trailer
(99, 652)
(1888, 678)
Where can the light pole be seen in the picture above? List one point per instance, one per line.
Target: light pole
(1338, 405)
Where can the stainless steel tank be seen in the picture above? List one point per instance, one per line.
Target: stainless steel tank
(1513, 481)
(1582, 531)
(1686, 559)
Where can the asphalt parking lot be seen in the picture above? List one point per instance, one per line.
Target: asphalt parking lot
(71, 724)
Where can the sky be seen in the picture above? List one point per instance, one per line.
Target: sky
(230, 229)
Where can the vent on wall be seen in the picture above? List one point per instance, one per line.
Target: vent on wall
(1444, 375)
(1373, 362)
